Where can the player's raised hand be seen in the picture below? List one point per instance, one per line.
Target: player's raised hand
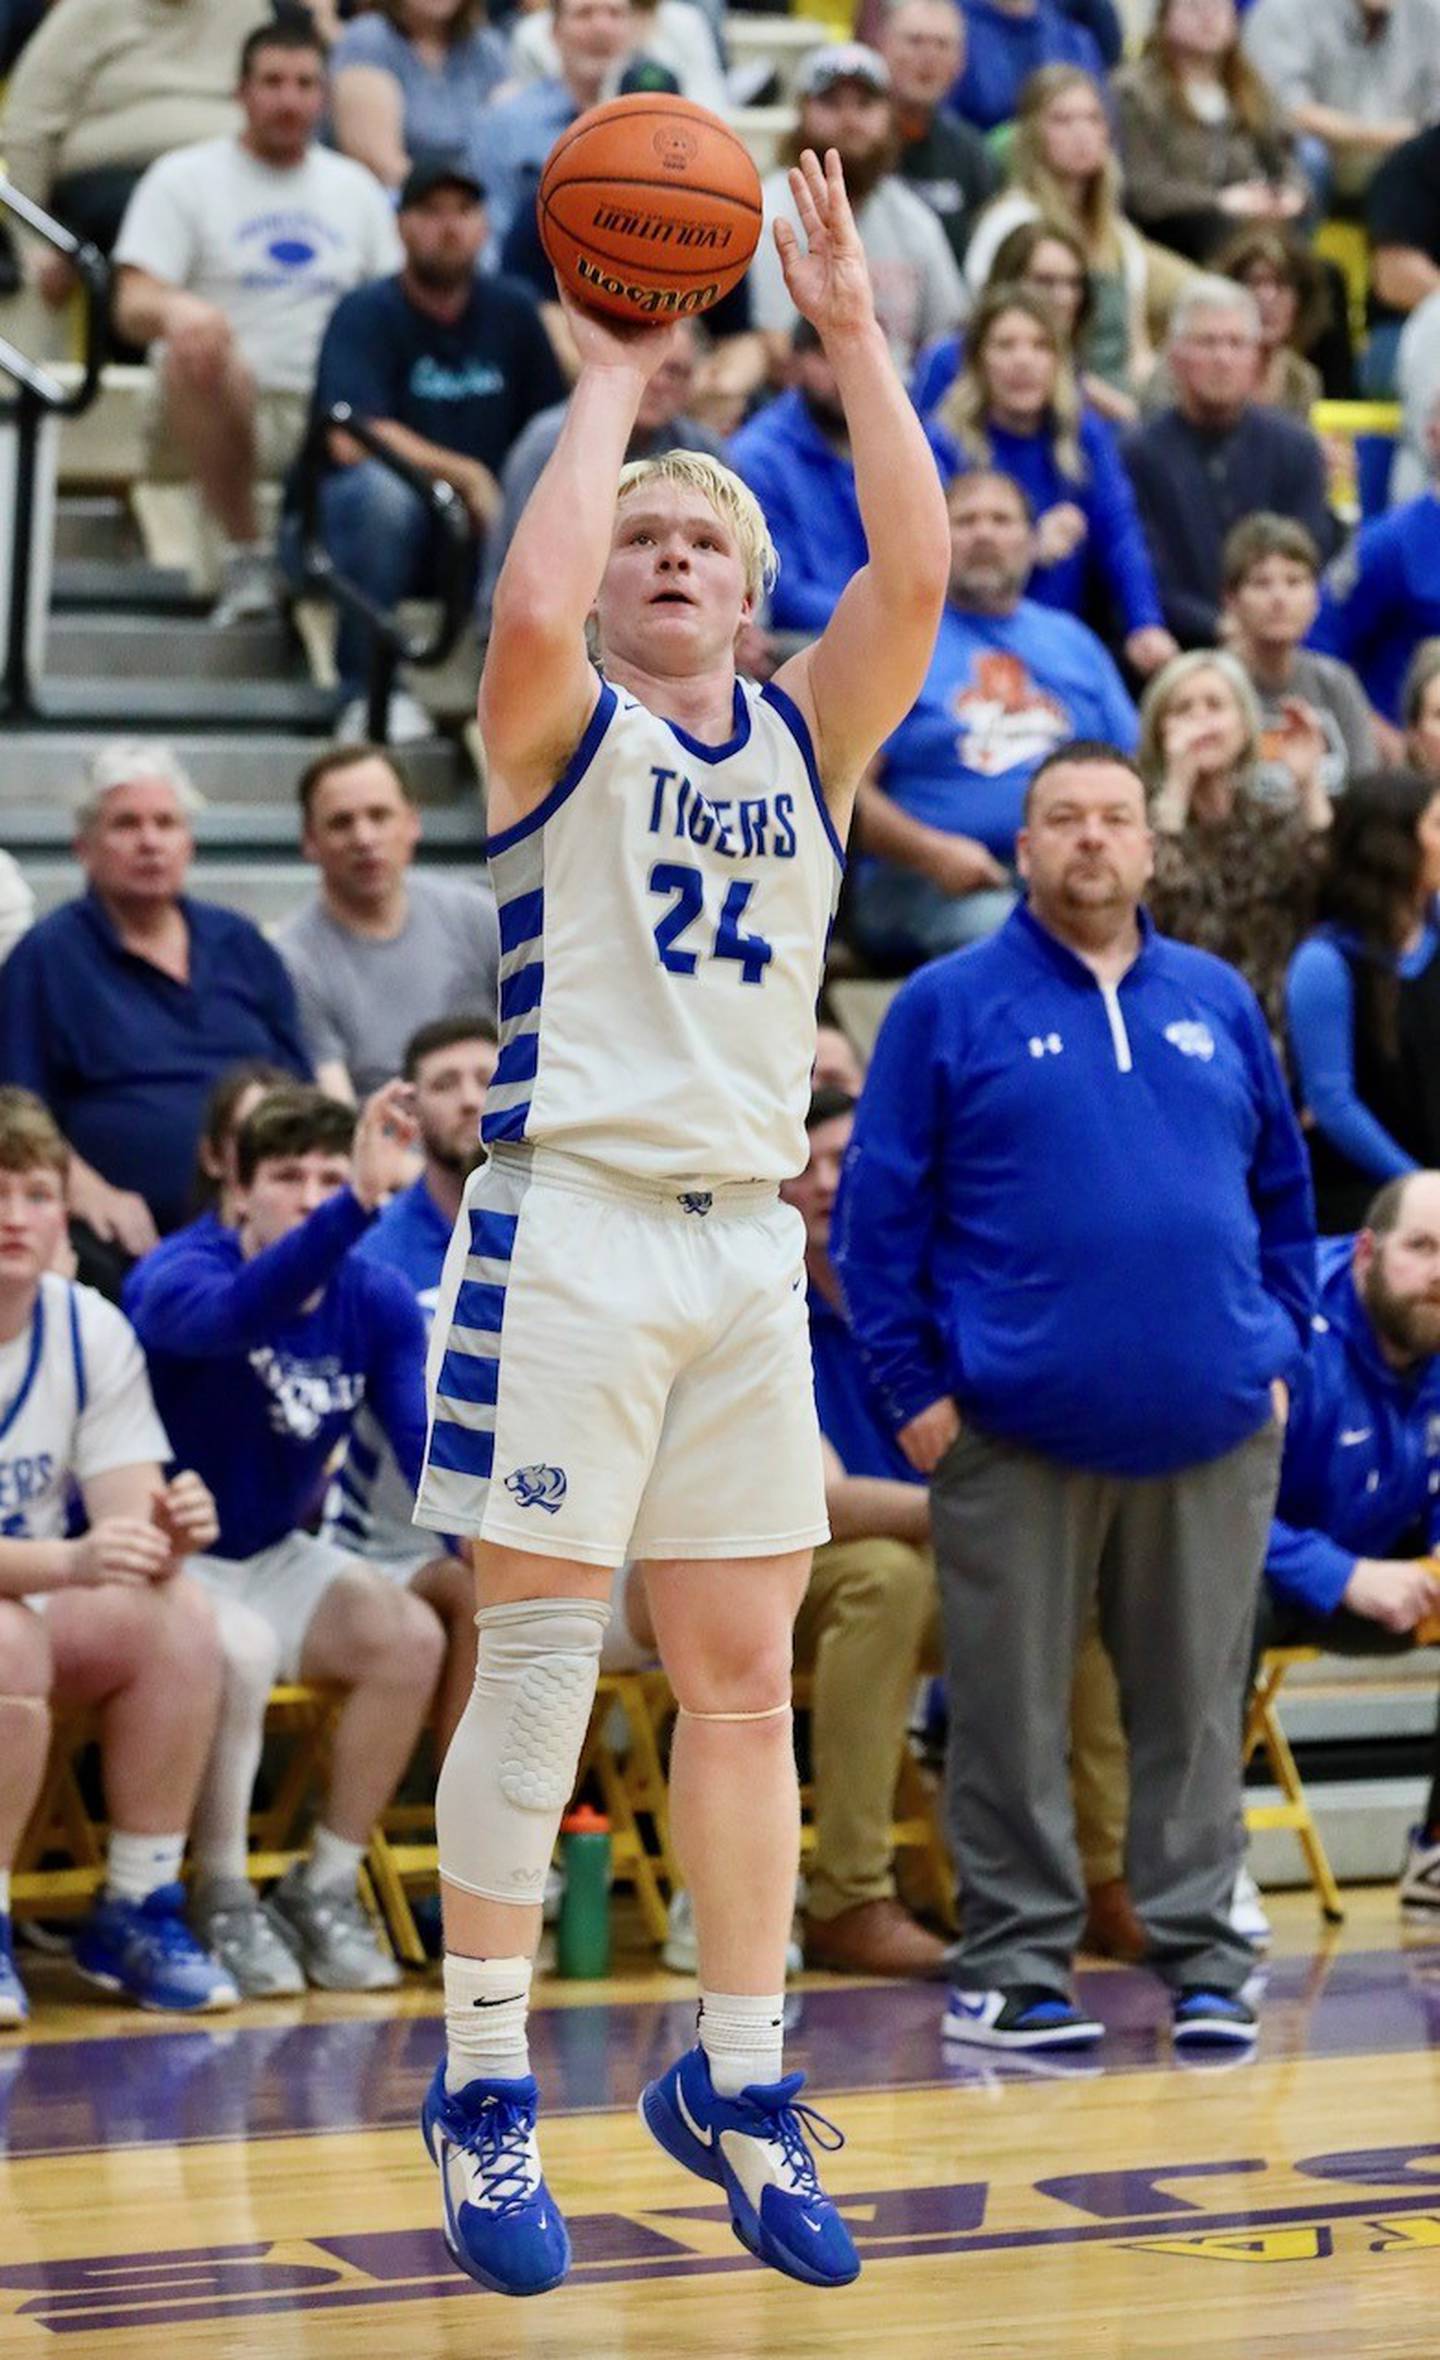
(185, 1513)
(384, 1138)
(613, 344)
(828, 277)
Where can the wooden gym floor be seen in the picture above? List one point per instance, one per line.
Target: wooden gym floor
(257, 2186)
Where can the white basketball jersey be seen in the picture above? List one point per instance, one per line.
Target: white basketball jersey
(663, 922)
(74, 1402)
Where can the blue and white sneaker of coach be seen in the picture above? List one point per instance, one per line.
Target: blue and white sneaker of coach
(754, 2147)
(503, 2227)
(1026, 2017)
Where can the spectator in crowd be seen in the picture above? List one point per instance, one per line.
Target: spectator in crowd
(869, 1620)
(1202, 141)
(1417, 388)
(673, 47)
(383, 946)
(448, 368)
(105, 88)
(449, 1065)
(236, 1095)
(411, 78)
(1063, 172)
(231, 258)
(263, 1341)
(795, 456)
(1009, 681)
(663, 422)
(120, 1008)
(1356, 77)
(1085, 1117)
(1293, 302)
(1362, 1000)
(845, 103)
(1216, 456)
(1008, 41)
(1272, 596)
(1351, 1565)
(1015, 406)
(1049, 263)
(942, 158)
(1381, 596)
(1402, 217)
(17, 904)
(515, 134)
(1235, 872)
(837, 1065)
(1420, 709)
(109, 1620)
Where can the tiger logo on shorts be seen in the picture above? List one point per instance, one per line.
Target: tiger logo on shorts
(538, 1487)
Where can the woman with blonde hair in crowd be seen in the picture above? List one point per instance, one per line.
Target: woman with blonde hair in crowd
(1063, 169)
(1016, 406)
(411, 76)
(1050, 262)
(1236, 872)
(1202, 142)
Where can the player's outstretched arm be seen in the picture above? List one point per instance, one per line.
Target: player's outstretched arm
(538, 686)
(865, 671)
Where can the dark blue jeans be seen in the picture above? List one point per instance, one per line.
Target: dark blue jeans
(382, 538)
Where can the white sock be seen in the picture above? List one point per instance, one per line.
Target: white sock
(137, 1866)
(334, 1864)
(743, 2039)
(218, 1826)
(486, 2003)
(4, 1892)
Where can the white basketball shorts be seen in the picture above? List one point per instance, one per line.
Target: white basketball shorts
(622, 1370)
(284, 1583)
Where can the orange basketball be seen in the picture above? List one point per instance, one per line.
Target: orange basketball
(649, 208)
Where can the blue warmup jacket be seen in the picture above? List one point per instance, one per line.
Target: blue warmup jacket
(1361, 1472)
(255, 1390)
(1381, 597)
(1084, 1212)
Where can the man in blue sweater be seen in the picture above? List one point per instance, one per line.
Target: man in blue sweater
(263, 1341)
(1077, 1245)
(1352, 1562)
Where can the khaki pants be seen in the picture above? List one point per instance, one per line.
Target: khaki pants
(1099, 1765)
(868, 1625)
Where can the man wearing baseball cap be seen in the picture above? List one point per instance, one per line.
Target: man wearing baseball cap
(448, 367)
(846, 103)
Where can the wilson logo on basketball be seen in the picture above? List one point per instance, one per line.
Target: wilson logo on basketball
(676, 149)
(669, 300)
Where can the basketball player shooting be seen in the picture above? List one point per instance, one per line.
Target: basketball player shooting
(621, 1359)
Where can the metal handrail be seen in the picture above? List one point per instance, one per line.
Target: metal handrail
(318, 571)
(38, 396)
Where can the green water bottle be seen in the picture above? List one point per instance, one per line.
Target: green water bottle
(582, 1947)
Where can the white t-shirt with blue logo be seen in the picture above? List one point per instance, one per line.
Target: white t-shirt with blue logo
(274, 249)
(75, 1403)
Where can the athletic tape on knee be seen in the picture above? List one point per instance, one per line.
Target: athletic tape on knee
(772, 1712)
(511, 1765)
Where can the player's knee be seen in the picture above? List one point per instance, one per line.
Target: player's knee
(397, 1640)
(26, 1666)
(184, 1638)
(744, 1674)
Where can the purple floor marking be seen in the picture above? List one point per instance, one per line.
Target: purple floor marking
(261, 2081)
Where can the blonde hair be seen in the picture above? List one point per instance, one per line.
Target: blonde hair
(1155, 706)
(1096, 220)
(967, 404)
(733, 502)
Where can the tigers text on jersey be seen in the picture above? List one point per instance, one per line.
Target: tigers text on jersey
(663, 921)
(74, 1403)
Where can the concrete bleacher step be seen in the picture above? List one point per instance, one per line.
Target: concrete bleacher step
(140, 647)
(129, 585)
(265, 889)
(41, 771)
(97, 525)
(123, 703)
(1363, 1824)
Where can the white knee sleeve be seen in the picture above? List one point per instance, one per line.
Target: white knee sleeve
(511, 1764)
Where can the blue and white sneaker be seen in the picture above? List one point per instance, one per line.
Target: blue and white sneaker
(1028, 2016)
(503, 2227)
(145, 1950)
(754, 2147)
(14, 2005)
(1205, 2019)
